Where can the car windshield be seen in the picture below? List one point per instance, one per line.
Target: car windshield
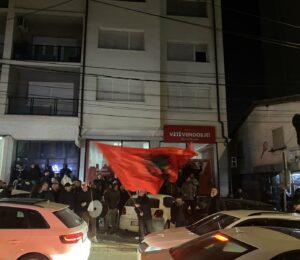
(212, 223)
(211, 246)
(68, 217)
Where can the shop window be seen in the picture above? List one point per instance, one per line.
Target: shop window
(43, 153)
(121, 40)
(109, 89)
(193, 8)
(187, 52)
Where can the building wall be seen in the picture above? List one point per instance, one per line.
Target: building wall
(257, 130)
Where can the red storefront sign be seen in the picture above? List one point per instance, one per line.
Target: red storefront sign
(189, 133)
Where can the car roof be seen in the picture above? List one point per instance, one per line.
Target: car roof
(265, 237)
(32, 203)
(260, 213)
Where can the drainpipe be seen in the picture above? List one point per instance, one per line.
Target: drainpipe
(83, 67)
(218, 94)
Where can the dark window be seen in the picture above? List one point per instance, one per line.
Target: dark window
(210, 247)
(195, 8)
(269, 222)
(36, 220)
(48, 153)
(291, 255)
(168, 202)
(212, 223)
(154, 203)
(201, 56)
(17, 218)
(13, 218)
(253, 222)
(68, 217)
(3, 3)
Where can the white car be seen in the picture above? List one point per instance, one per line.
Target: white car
(160, 209)
(244, 243)
(41, 230)
(222, 220)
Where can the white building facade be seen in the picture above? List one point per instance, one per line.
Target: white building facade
(265, 138)
(138, 68)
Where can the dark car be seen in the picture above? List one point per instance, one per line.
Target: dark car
(230, 204)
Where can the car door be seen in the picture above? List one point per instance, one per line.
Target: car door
(14, 232)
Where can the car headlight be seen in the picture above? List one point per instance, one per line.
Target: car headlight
(152, 248)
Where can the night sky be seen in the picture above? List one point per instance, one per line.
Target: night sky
(255, 68)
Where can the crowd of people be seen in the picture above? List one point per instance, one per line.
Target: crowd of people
(63, 187)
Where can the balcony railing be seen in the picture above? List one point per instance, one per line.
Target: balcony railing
(42, 106)
(47, 53)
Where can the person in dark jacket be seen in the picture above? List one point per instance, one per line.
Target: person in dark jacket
(34, 173)
(66, 196)
(41, 191)
(112, 198)
(84, 199)
(296, 201)
(143, 211)
(178, 213)
(215, 203)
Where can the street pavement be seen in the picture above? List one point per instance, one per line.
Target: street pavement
(114, 247)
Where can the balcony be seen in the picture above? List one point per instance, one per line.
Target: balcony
(47, 53)
(42, 106)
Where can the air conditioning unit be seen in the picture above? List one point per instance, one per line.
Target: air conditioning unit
(22, 24)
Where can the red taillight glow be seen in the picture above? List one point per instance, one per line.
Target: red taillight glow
(221, 238)
(159, 213)
(71, 238)
(123, 211)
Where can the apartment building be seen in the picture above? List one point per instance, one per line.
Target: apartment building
(152, 75)
(40, 81)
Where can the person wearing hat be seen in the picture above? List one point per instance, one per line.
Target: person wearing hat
(66, 196)
(84, 199)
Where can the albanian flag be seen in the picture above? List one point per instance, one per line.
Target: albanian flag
(145, 169)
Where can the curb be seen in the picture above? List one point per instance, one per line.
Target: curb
(114, 246)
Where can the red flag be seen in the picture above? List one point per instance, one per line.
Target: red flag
(145, 169)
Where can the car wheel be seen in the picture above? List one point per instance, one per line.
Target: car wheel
(33, 256)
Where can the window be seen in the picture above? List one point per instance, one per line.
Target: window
(168, 202)
(36, 221)
(120, 90)
(269, 222)
(211, 223)
(187, 52)
(18, 218)
(291, 255)
(122, 40)
(13, 218)
(68, 217)
(188, 96)
(193, 8)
